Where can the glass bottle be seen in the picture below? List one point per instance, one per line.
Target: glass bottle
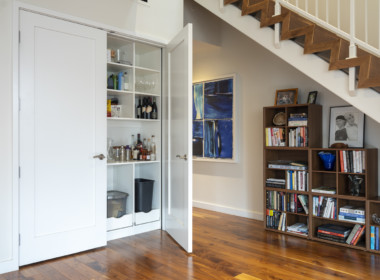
(153, 149)
(138, 110)
(154, 110)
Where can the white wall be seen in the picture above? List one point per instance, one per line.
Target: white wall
(238, 188)
(161, 19)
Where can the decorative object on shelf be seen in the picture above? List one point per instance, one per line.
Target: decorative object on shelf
(279, 118)
(312, 98)
(214, 119)
(346, 126)
(339, 146)
(286, 96)
(328, 160)
(355, 183)
(375, 219)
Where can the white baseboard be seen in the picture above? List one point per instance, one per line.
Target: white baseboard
(229, 210)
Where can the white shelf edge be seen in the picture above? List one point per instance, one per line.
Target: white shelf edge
(147, 69)
(132, 162)
(119, 65)
(118, 92)
(147, 94)
(132, 119)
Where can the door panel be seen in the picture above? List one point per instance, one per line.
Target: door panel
(178, 208)
(62, 126)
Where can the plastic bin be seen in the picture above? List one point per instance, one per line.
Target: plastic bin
(116, 204)
(143, 195)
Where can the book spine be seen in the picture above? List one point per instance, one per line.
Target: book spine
(352, 215)
(331, 233)
(372, 244)
(361, 233)
(377, 238)
(341, 161)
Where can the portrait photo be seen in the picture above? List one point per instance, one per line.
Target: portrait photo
(286, 96)
(346, 126)
(312, 98)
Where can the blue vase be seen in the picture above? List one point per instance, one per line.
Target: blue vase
(328, 160)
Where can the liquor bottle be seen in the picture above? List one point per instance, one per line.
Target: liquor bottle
(154, 110)
(149, 108)
(144, 143)
(139, 143)
(138, 110)
(126, 81)
(143, 109)
(148, 147)
(153, 149)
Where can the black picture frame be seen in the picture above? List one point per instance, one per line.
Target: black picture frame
(346, 126)
(312, 98)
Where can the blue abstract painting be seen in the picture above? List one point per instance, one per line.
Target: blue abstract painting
(213, 106)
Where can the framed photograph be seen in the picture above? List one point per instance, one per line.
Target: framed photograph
(286, 96)
(214, 120)
(312, 98)
(346, 126)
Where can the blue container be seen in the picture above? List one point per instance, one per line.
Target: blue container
(328, 160)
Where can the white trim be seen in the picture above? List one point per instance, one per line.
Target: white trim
(229, 210)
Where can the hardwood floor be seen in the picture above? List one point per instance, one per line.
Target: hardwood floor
(225, 247)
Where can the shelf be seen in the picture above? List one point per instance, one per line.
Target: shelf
(132, 162)
(118, 92)
(291, 213)
(286, 148)
(286, 190)
(118, 67)
(132, 119)
(324, 171)
(375, 199)
(340, 221)
(348, 173)
(351, 197)
(147, 94)
(324, 194)
(144, 69)
(288, 233)
(268, 168)
(361, 246)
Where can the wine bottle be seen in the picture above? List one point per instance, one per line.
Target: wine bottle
(149, 108)
(154, 110)
(138, 110)
(153, 149)
(143, 109)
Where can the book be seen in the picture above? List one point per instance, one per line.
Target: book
(351, 215)
(358, 236)
(287, 164)
(372, 238)
(304, 202)
(335, 228)
(324, 189)
(351, 209)
(377, 238)
(351, 219)
(331, 238)
(299, 228)
(352, 233)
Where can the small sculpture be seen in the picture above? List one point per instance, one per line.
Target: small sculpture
(355, 184)
(375, 219)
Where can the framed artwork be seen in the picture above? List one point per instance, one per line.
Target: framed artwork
(346, 126)
(214, 119)
(312, 98)
(286, 96)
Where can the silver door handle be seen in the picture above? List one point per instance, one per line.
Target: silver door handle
(183, 157)
(100, 156)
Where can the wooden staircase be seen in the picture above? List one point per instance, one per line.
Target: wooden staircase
(315, 40)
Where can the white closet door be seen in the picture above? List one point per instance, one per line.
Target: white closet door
(178, 207)
(62, 126)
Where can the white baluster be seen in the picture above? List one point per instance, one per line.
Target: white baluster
(277, 11)
(352, 51)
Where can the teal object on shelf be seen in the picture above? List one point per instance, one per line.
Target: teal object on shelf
(328, 160)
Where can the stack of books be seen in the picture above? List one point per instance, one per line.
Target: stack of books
(374, 241)
(297, 119)
(356, 234)
(297, 180)
(352, 161)
(275, 136)
(275, 183)
(287, 164)
(352, 214)
(324, 207)
(324, 189)
(298, 137)
(298, 228)
(275, 220)
(332, 232)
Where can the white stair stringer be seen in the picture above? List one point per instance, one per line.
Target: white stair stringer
(366, 100)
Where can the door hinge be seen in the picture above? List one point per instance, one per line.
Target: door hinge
(19, 172)
(19, 37)
(19, 240)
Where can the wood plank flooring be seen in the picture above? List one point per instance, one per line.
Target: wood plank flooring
(225, 247)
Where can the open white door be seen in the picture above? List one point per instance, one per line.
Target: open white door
(62, 128)
(179, 194)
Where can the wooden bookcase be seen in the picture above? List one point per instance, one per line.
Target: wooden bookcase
(271, 153)
(368, 197)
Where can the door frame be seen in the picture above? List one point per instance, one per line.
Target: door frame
(13, 263)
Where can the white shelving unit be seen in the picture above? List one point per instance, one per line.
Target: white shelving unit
(142, 62)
